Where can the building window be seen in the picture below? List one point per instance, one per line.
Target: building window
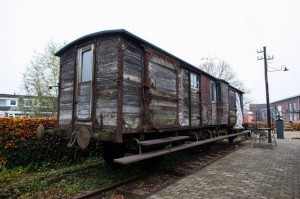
(294, 107)
(2, 102)
(291, 117)
(295, 115)
(194, 81)
(290, 107)
(13, 102)
(290, 111)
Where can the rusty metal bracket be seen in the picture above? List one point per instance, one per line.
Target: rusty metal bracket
(73, 139)
(139, 145)
(196, 136)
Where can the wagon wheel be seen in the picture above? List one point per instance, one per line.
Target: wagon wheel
(206, 135)
(230, 139)
(222, 132)
(112, 151)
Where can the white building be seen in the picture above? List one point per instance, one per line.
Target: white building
(9, 106)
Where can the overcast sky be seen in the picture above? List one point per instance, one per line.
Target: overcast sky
(232, 30)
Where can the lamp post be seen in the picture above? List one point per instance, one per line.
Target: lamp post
(265, 58)
(267, 96)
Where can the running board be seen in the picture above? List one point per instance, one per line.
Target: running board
(162, 140)
(152, 154)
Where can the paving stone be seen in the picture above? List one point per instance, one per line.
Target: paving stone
(250, 172)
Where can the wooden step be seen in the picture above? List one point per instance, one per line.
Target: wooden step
(163, 140)
(144, 156)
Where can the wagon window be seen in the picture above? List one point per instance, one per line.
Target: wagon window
(194, 81)
(84, 90)
(213, 92)
(86, 66)
(218, 92)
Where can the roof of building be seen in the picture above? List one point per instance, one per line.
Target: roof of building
(284, 99)
(136, 39)
(3, 95)
(9, 95)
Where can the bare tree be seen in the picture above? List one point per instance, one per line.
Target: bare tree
(42, 72)
(222, 70)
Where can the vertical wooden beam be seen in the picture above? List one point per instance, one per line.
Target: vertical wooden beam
(94, 87)
(62, 59)
(146, 87)
(200, 101)
(120, 122)
(74, 89)
(190, 98)
(177, 69)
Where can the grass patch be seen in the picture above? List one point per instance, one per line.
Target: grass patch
(64, 182)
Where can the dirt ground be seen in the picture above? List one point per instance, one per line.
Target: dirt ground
(291, 134)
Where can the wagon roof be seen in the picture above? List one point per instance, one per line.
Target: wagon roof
(136, 39)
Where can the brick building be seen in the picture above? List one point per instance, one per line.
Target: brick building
(288, 108)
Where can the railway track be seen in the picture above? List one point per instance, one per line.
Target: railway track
(177, 166)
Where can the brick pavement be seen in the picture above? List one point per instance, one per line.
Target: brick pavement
(246, 173)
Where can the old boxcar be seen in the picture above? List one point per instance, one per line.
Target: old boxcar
(122, 91)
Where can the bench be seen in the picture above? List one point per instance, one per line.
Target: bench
(152, 154)
(163, 140)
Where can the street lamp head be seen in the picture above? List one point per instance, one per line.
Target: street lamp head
(282, 68)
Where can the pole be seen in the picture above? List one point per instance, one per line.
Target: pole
(267, 95)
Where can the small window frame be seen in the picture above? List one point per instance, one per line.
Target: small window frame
(13, 104)
(294, 107)
(194, 81)
(81, 51)
(213, 91)
(80, 82)
(3, 102)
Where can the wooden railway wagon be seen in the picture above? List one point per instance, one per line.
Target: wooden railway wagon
(123, 91)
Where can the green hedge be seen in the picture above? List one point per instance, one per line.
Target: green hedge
(19, 146)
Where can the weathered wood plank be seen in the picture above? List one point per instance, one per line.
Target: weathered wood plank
(163, 106)
(183, 95)
(132, 85)
(66, 87)
(106, 84)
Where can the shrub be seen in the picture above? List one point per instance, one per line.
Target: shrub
(296, 126)
(18, 145)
